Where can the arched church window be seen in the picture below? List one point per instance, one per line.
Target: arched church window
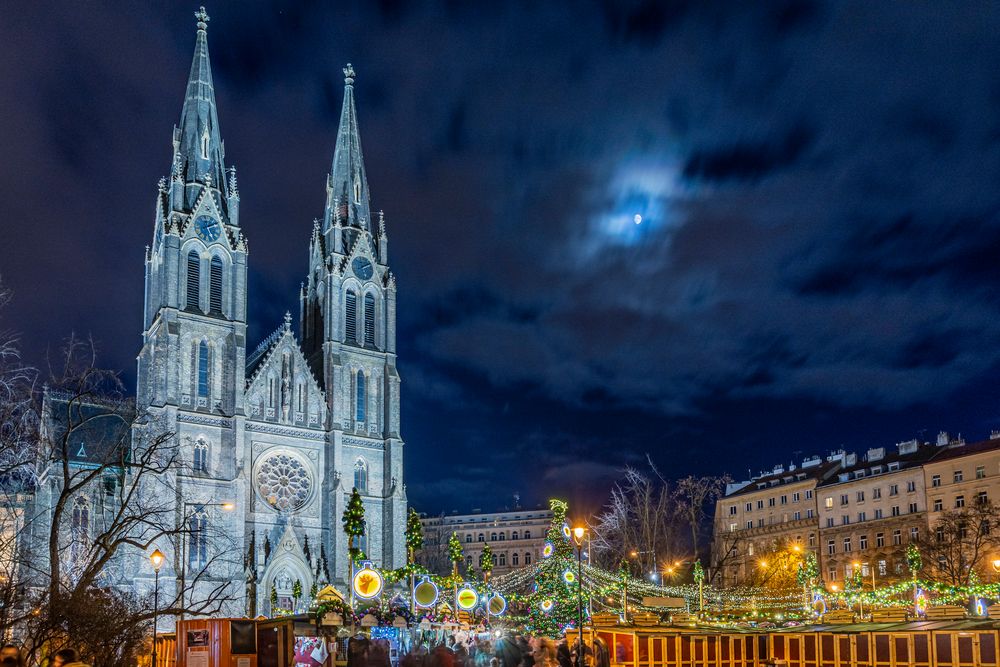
(193, 280)
(359, 408)
(361, 476)
(370, 320)
(198, 540)
(351, 317)
(203, 369)
(205, 139)
(81, 524)
(215, 286)
(201, 456)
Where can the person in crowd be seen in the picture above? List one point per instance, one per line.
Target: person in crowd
(11, 656)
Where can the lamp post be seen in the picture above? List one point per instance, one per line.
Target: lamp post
(578, 534)
(156, 559)
(996, 567)
(227, 506)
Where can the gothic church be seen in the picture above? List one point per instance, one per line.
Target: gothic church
(274, 437)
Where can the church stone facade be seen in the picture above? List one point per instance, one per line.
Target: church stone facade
(286, 429)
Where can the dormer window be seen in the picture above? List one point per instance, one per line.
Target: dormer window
(204, 144)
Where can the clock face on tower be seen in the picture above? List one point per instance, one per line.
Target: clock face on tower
(362, 268)
(207, 228)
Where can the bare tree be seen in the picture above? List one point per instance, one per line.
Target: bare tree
(961, 541)
(638, 519)
(691, 496)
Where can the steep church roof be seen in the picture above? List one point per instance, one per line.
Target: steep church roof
(198, 147)
(347, 185)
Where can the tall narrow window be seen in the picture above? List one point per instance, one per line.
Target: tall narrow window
(361, 476)
(369, 320)
(203, 369)
(80, 528)
(193, 280)
(351, 317)
(204, 144)
(198, 553)
(357, 190)
(201, 456)
(359, 408)
(215, 286)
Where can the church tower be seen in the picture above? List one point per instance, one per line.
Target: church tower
(191, 366)
(348, 327)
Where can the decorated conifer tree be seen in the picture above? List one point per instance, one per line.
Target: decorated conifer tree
(486, 562)
(553, 604)
(454, 553)
(414, 535)
(354, 528)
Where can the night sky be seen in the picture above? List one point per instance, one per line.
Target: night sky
(817, 266)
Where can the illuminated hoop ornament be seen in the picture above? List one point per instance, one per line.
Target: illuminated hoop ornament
(467, 598)
(819, 604)
(548, 550)
(980, 608)
(569, 576)
(426, 592)
(496, 605)
(921, 602)
(547, 605)
(566, 531)
(367, 582)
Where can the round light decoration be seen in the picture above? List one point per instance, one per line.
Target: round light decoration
(569, 576)
(283, 481)
(367, 582)
(467, 598)
(425, 593)
(980, 608)
(496, 605)
(921, 602)
(819, 604)
(547, 606)
(548, 550)
(567, 533)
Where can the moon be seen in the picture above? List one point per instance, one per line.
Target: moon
(637, 219)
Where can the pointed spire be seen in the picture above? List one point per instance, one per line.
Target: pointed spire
(348, 186)
(197, 139)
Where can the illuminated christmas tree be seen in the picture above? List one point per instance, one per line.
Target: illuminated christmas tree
(552, 605)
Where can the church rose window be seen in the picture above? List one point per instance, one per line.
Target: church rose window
(283, 482)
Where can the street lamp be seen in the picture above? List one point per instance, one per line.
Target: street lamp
(226, 506)
(996, 566)
(578, 534)
(156, 559)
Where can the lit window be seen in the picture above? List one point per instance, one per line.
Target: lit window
(980, 472)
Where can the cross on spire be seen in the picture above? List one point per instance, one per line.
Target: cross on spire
(202, 17)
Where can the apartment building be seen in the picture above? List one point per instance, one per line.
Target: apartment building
(871, 510)
(515, 537)
(773, 508)
(962, 474)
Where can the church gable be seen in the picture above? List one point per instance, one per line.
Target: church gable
(281, 387)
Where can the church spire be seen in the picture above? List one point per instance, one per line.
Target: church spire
(198, 147)
(347, 187)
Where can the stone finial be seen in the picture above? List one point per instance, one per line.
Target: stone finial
(381, 223)
(288, 321)
(202, 17)
(349, 75)
(161, 184)
(233, 189)
(208, 179)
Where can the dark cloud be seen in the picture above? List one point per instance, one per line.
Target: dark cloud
(815, 265)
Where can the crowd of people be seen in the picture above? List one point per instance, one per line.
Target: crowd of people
(505, 651)
(12, 656)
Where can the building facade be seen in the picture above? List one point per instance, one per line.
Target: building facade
(515, 537)
(271, 439)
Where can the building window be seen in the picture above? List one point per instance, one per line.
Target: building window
(503, 560)
(829, 522)
(882, 569)
(828, 503)
(958, 476)
(468, 538)
(980, 472)
(914, 534)
(831, 547)
(215, 286)
(797, 516)
(770, 502)
(847, 545)
(359, 408)
(361, 476)
(878, 513)
(897, 537)
(527, 536)
(845, 519)
(936, 480)
(959, 502)
(357, 190)
(513, 535)
(812, 539)
(895, 510)
(862, 517)
(982, 498)
(732, 510)
(796, 497)
(876, 493)
(760, 504)
(939, 534)
(809, 494)
(203, 369)
(832, 574)
(514, 560)
(80, 528)
(861, 496)
(351, 317)
(733, 527)
(879, 540)
(481, 537)
(844, 499)
(911, 486)
(198, 540)
(369, 320)
(204, 144)
(749, 507)
(749, 525)
(201, 456)
(527, 559)
(938, 505)
(913, 508)
(493, 537)
(810, 513)
(863, 542)
(894, 489)
(784, 500)
(193, 280)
